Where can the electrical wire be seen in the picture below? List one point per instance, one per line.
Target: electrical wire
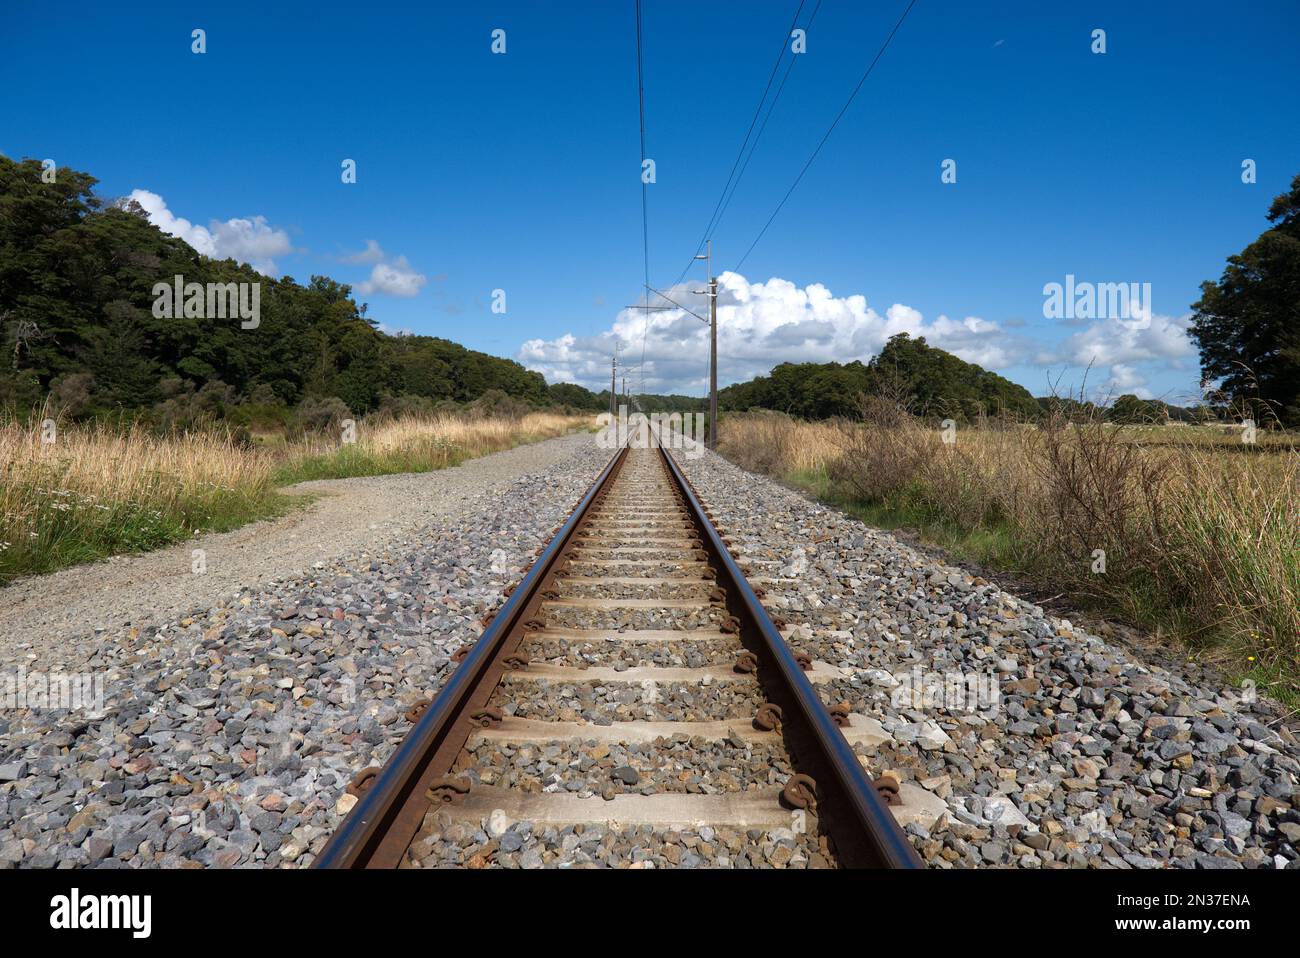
(829, 131)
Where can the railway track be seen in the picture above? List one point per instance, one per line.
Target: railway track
(632, 683)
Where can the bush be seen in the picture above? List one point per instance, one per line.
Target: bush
(184, 408)
(398, 407)
(495, 404)
(1200, 533)
(322, 414)
(70, 394)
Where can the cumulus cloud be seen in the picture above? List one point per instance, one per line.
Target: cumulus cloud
(759, 326)
(1125, 379)
(394, 278)
(1125, 344)
(1142, 339)
(373, 253)
(763, 324)
(251, 241)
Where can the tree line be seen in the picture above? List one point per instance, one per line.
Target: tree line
(77, 279)
(1246, 327)
(930, 381)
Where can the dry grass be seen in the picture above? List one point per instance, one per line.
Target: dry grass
(98, 490)
(415, 444)
(1201, 533)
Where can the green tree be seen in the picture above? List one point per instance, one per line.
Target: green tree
(76, 310)
(1132, 410)
(1247, 325)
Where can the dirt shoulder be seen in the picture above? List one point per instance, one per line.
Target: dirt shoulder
(349, 516)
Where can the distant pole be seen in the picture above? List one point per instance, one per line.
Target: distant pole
(613, 396)
(712, 293)
(713, 362)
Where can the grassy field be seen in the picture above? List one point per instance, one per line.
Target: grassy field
(97, 491)
(1199, 533)
(415, 444)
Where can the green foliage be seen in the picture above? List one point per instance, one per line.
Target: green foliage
(946, 385)
(76, 308)
(670, 402)
(933, 382)
(1247, 325)
(1131, 410)
(807, 390)
(576, 397)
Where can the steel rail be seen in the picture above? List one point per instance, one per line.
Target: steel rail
(861, 825)
(377, 830)
(387, 816)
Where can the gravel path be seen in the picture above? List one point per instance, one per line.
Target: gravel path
(1050, 746)
(351, 515)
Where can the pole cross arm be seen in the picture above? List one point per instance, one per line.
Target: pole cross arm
(675, 304)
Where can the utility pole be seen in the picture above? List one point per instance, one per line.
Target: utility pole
(712, 293)
(613, 396)
(713, 362)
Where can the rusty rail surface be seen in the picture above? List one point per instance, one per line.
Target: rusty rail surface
(830, 781)
(864, 832)
(382, 824)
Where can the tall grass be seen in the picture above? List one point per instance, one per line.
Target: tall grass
(415, 444)
(97, 491)
(1200, 534)
(100, 490)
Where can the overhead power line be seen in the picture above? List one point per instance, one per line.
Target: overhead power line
(645, 217)
(844, 109)
(722, 197)
(762, 126)
(640, 91)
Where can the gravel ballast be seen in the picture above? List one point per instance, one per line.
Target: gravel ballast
(506, 844)
(606, 702)
(680, 765)
(577, 653)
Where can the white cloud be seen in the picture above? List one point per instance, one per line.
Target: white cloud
(251, 241)
(759, 326)
(395, 278)
(373, 253)
(1126, 379)
(1125, 345)
(1145, 338)
(163, 218)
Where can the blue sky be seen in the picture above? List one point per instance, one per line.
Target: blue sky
(520, 171)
